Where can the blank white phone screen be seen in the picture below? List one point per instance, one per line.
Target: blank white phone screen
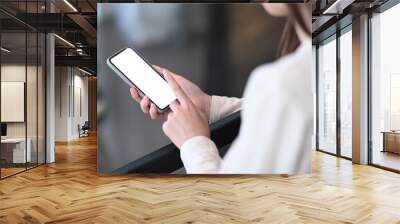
(144, 77)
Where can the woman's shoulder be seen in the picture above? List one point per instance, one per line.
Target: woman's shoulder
(293, 70)
(288, 79)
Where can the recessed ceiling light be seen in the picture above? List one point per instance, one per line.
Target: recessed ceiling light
(337, 7)
(84, 71)
(5, 50)
(65, 41)
(70, 5)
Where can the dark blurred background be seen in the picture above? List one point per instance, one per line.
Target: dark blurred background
(214, 45)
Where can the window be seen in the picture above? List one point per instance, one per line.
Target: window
(346, 93)
(314, 76)
(327, 96)
(385, 89)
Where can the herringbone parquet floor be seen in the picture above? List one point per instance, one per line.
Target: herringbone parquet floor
(70, 191)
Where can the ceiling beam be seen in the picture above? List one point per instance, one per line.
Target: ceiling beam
(85, 25)
(321, 20)
(77, 61)
(49, 22)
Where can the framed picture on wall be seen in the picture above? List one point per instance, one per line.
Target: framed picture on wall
(12, 101)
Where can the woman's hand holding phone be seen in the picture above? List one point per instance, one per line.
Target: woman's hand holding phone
(196, 95)
(188, 117)
(184, 121)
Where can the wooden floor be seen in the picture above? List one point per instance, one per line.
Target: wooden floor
(5, 172)
(9, 171)
(387, 159)
(70, 191)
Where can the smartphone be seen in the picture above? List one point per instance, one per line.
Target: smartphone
(136, 72)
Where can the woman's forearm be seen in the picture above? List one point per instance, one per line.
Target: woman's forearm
(222, 106)
(200, 155)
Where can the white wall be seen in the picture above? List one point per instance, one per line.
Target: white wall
(12, 73)
(81, 85)
(61, 103)
(70, 83)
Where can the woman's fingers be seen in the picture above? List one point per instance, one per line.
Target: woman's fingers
(154, 112)
(158, 68)
(135, 94)
(174, 106)
(164, 116)
(149, 108)
(182, 97)
(145, 104)
(162, 70)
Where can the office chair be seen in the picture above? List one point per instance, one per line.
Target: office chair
(84, 130)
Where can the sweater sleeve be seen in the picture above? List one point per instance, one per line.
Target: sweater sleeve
(222, 106)
(200, 155)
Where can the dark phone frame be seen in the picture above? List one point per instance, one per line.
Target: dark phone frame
(130, 81)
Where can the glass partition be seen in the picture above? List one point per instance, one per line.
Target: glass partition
(14, 154)
(22, 101)
(31, 99)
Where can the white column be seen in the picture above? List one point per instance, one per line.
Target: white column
(50, 98)
(360, 90)
(50, 91)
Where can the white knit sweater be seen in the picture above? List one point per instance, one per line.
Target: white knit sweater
(277, 122)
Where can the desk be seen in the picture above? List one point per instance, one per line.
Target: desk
(16, 147)
(391, 141)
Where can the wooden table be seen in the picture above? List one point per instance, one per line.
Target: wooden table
(391, 141)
